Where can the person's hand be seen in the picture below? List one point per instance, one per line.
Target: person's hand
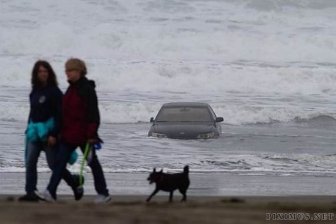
(92, 141)
(51, 141)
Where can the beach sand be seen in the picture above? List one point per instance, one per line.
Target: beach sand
(213, 198)
(133, 209)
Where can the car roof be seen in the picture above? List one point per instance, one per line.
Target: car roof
(185, 104)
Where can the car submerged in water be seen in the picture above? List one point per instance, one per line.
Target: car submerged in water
(188, 120)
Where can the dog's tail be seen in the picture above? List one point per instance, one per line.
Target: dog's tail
(186, 169)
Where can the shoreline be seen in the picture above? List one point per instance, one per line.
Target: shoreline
(202, 184)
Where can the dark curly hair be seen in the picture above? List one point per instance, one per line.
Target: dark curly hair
(52, 80)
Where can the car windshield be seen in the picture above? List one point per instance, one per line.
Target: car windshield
(184, 114)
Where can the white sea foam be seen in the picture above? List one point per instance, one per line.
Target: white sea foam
(252, 61)
(255, 62)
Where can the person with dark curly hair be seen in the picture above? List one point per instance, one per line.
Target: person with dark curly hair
(42, 133)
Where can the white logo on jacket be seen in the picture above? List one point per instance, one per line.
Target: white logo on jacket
(42, 99)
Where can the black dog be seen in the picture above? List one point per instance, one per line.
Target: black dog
(170, 182)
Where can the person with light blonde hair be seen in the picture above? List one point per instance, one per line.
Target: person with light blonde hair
(80, 125)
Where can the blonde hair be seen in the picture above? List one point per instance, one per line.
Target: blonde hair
(76, 64)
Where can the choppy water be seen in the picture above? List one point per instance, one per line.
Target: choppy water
(267, 67)
(297, 148)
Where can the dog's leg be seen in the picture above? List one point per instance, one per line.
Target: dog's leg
(154, 193)
(171, 196)
(184, 197)
(184, 193)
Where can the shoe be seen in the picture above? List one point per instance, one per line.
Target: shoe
(39, 195)
(103, 199)
(78, 189)
(48, 197)
(29, 197)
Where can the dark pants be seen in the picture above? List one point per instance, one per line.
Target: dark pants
(33, 152)
(63, 156)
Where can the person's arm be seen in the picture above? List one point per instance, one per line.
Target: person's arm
(29, 115)
(28, 120)
(93, 116)
(30, 107)
(57, 112)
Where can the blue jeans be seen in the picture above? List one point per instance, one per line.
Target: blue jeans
(33, 152)
(63, 157)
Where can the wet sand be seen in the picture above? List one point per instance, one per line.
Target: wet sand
(133, 209)
(202, 184)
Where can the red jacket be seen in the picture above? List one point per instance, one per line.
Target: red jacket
(80, 113)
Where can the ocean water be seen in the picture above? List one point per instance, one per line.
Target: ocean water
(267, 67)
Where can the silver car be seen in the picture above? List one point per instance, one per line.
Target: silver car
(187, 120)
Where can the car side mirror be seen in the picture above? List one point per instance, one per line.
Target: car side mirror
(219, 119)
(152, 119)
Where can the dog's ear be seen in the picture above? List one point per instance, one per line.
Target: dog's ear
(154, 170)
(161, 171)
